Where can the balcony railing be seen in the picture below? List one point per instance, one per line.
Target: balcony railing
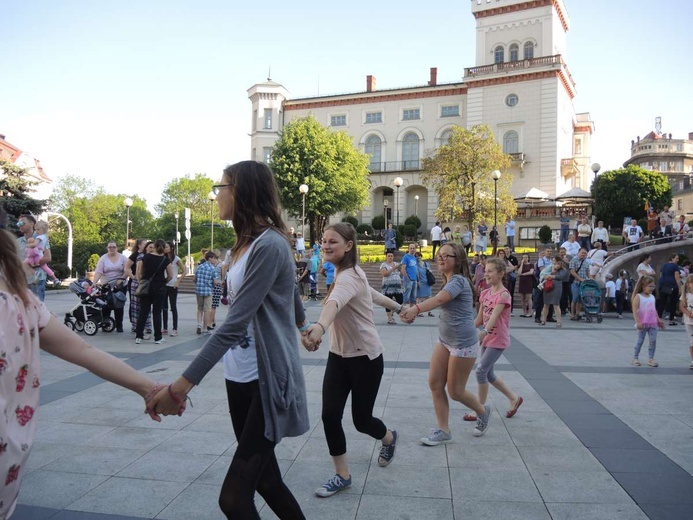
(394, 166)
(569, 167)
(513, 66)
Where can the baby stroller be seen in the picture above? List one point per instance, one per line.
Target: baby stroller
(88, 316)
(591, 297)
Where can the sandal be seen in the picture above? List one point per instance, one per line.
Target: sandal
(431, 315)
(558, 325)
(469, 417)
(543, 323)
(391, 321)
(652, 363)
(510, 413)
(635, 362)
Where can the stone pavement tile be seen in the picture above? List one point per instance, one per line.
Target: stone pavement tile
(23, 512)
(358, 450)
(289, 447)
(127, 496)
(573, 511)
(462, 432)
(96, 460)
(498, 485)
(653, 488)
(667, 512)
(540, 430)
(215, 474)
(419, 399)
(410, 416)
(617, 460)
(102, 416)
(197, 501)
(622, 406)
(211, 423)
(397, 508)
(413, 481)
(588, 487)
(43, 453)
(483, 457)
(167, 423)
(128, 437)
(625, 439)
(557, 389)
(485, 510)
(178, 467)
(55, 488)
(210, 443)
(545, 458)
(560, 406)
(596, 421)
(75, 434)
(79, 515)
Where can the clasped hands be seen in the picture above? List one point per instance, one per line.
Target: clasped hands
(312, 337)
(161, 400)
(409, 314)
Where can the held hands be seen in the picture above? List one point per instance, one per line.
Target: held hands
(408, 315)
(312, 337)
(162, 400)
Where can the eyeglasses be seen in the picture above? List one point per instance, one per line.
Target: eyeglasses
(218, 187)
(443, 258)
(20, 223)
(110, 247)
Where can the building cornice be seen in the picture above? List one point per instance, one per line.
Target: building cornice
(372, 97)
(530, 76)
(532, 4)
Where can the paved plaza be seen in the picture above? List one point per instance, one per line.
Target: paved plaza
(595, 438)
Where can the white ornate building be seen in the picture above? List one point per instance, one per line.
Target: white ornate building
(520, 86)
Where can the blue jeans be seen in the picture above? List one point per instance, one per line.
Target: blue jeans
(652, 331)
(564, 235)
(410, 287)
(575, 292)
(39, 289)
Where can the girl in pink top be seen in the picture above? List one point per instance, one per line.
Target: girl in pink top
(494, 318)
(647, 321)
(355, 362)
(26, 326)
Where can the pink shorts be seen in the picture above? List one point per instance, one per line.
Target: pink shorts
(464, 352)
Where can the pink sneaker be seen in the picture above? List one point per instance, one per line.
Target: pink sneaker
(174, 333)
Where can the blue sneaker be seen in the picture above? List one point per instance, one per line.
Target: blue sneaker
(482, 422)
(333, 486)
(387, 453)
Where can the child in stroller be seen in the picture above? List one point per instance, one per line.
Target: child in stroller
(88, 315)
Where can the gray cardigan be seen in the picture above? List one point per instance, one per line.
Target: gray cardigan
(269, 298)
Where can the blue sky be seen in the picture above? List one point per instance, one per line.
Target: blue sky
(132, 94)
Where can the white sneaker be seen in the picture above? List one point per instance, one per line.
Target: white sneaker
(138, 340)
(436, 437)
(159, 341)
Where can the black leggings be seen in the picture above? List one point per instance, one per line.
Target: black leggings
(172, 302)
(154, 301)
(361, 377)
(254, 466)
(399, 298)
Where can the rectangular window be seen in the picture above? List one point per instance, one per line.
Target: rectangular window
(679, 147)
(266, 154)
(410, 114)
(374, 117)
(663, 166)
(268, 118)
(338, 120)
(578, 147)
(450, 111)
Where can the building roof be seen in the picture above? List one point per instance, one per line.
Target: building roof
(15, 155)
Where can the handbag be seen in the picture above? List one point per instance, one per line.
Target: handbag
(430, 277)
(667, 290)
(548, 285)
(145, 285)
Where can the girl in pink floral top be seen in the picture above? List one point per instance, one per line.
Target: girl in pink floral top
(26, 325)
(494, 318)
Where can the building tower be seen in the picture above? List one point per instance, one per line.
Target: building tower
(268, 113)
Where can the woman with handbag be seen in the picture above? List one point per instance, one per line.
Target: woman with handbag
(153, 271)
(111, 267)
(551, 281)
(423, 292)
(138, 252)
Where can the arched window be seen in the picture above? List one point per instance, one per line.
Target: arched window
(410, 151)
(499, 54)
(510, 142)
(445, 137)
(374, 148)
(514, 52)
(528, 50)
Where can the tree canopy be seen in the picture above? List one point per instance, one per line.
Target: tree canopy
(336, 173)
(187, 192)
(623, 193)
(15, 191)
(460, 173)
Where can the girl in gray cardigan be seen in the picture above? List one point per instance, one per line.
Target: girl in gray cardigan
(258, 340)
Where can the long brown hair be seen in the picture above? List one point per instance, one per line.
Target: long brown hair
(10, 264)
(461, 263)
(643, 281)
(348, 233)
(256, 203)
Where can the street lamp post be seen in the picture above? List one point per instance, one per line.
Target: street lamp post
(303, 188)
(128, 203)
(495, 175)
(595, 168)
(385, 211)
(398, 182)
(211, 196)
(176, 214)
(416, 205)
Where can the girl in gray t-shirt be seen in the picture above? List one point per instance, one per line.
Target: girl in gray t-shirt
(455, 351)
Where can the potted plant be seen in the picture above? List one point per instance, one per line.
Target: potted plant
(91, 265)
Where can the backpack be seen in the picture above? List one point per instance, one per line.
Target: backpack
(430, 277)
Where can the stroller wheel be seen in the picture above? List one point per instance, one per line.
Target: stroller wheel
(69, 324)
(79, 326)
(90, 327)
(589, 319)
(599, 318)
(108, 324)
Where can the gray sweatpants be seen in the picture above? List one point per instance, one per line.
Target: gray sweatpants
(484, 367)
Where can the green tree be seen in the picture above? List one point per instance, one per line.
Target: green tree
(15, 192)
(460, 173)
(187, 192)
(622, 193)
(336, 173)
